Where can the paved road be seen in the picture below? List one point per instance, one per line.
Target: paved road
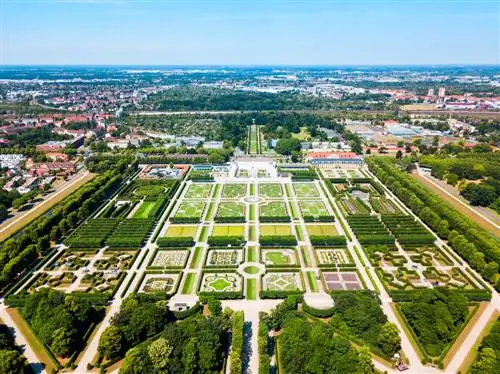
(490, 218)
(19, 217)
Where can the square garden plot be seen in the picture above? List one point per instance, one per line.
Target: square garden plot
(145, 209)
(282, 282)
(333, 257)
(313, 208)
(190, 210)
(270, 190)
(231, 191)
(198, 191)
(221, 282)
(321, 230)
(153, 283)
(175, 258)
(279, 256)
(275, 230)
(226, 209)
(305, 190)
(181, 231)
(273, 209)
(342, 281)
(228, 230)
(224, 257)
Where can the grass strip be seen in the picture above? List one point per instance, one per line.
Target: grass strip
(187, 288)
(251, 233)
(251, 289)
(252, 213)
(195, 262)
(203, 234)
(311, 278)
(252, 254)
(305, 256)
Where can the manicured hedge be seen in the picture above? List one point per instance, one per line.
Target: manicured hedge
(326, 241)
(196, 309)
(237, 336)
(175, 242)
(320, 313)
(401, 296)
(222, 295)
(274, 219)
(263, 343)
(235, 219)
(277, 241)
(222, 241)
(279, 294)
(184, 219)
(319, 218)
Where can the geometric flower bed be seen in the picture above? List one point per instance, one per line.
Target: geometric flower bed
(313, 208)
(342, 281)
(175, 258)
(270, 190)
(279, 257)
(234, 190)
(305, 190)
(332, 257)
(221, 282)
(224, 257)
(282, 282)
(198, 191)
(159, 283)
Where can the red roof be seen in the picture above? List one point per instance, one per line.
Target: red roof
(332, 154)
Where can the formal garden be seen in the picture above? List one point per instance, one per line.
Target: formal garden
(283, 282)
(198, 191)
(213, 283)
(279, 257)
(305, 190)
(233, 191)
(274, 211)
(159, 283)
(270, 190)
(169, 259)
(230, 212)
(224, 257)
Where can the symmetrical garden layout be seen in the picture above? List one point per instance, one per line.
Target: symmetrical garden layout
(255, 238)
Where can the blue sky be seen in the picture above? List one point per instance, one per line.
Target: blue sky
(244, 32)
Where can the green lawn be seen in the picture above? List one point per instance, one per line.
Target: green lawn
(322, 230)
(220, 284)
(251, 269)
(180, 231)
(198, 191)
(231, 210)
(251, 289)
(234, 190)
(311, 277)
(273, 230)
(190, 209)
(273, 209)
(189, 284)
(270, 190)
(252, 189)
(277, 258)
(294, 209)
(204, 234)
(210, 212)
(195, 262)
(149, 190)
(305, 190)
(251, 233)
(300, 234)
(228, 230)
(313, 208)
(145, 209)
(252, 254)
(252, 212)
(305, 256)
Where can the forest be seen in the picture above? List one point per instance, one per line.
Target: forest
(11, 360)
(436, 316)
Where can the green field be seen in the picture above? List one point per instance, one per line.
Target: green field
(277, 257)
(313, 208)
(321, 230)
(252, 254)
(312, 281)
(251, 232)
(275, 230)
(228, 230)
(179, 231)
(273, 209)
(251, 289)
(305, 190)
(190, 210)
(145, 209)
(149, 190)
(188, 283)
(231, 210)
(195, 262)
(198, 191)
(234, 190)
(270, 190)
